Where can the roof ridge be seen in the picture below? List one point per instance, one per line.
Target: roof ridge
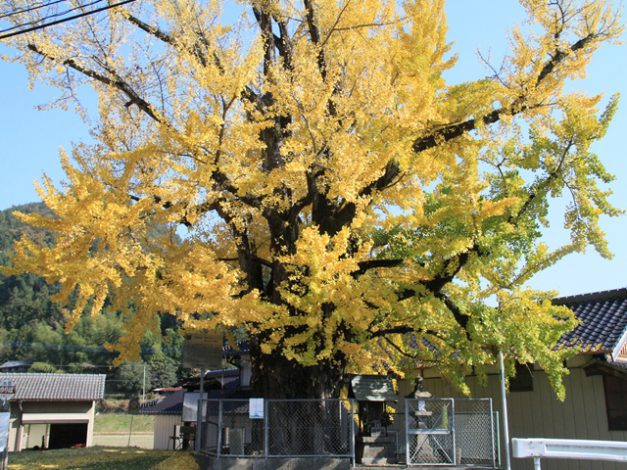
(51, 374)
(592, 296)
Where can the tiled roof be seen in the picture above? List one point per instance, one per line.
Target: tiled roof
(56, 387)
(14, 364)
(603, 317)
(372, 388)
(171, 404)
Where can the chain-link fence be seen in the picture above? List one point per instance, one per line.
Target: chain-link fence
(474, 432)
(460, 431)
(430, 431)
(279, 428)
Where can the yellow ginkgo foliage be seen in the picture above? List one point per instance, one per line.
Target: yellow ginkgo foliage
(320, 189)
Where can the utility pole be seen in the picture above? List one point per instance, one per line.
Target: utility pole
(508, 464)
(144, 385)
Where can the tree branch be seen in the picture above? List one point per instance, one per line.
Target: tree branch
(247, 93)
(364, 266)
(452, 131)
(115, 82)
(314, 34)
(152, 30)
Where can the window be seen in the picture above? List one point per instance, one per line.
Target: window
(616, 402)
(523, 380)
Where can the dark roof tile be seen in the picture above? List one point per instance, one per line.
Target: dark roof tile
(603, 317)
(56, 387)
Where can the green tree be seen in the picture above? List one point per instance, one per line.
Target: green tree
(129, 378)
(44, 367)
(162, 371)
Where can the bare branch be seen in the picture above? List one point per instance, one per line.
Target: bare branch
(153, 30)
(247, 93)
(116, 82)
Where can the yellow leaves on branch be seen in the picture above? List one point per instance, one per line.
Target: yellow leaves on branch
(238, 180)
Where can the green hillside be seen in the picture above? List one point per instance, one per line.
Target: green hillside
(32, 326)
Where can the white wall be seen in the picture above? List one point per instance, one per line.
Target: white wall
(39, 413)
(164, 429)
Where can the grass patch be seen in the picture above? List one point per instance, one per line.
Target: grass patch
(102, 458)
(113, 422)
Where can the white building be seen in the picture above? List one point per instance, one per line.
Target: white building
(53, 410)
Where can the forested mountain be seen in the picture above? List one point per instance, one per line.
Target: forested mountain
(32, 326)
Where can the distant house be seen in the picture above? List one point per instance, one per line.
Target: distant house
(53, 410)
(167, 411)
(176, 410)
(16, 366)
(596, 388)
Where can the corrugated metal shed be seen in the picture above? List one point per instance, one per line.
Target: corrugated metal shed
(56, 387)
(372, 388)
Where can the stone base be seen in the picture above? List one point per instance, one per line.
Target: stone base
(226, 463)
(376, 450)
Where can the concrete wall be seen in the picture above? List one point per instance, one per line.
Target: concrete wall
(91, 414)
(539, 413)
(209, 463)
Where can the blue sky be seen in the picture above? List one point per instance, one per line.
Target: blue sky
(30, 139)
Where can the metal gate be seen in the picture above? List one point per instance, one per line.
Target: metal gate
(430, 431)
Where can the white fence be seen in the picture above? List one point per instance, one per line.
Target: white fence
(574, 449)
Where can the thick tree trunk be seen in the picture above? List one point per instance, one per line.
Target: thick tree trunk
(274, 376)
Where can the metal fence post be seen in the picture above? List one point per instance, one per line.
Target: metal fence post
(536, 463)
(407, 456)
(352, 431)
(219, 433)
(497, 429)
(453, 431)
(198, 425)
(492, 433)
(266, 428)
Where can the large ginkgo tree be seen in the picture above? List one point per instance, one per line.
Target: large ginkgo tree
(331, 200)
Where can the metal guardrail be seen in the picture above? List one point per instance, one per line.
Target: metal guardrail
(537, 448)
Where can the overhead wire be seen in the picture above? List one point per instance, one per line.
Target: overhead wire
(37, 6)
(48, 17)
(63, 20)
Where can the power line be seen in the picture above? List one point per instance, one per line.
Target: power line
(37, 6)
(69, 18)
(46, 18)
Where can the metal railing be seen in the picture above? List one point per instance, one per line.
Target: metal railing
(281, 428)
(574, 449)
